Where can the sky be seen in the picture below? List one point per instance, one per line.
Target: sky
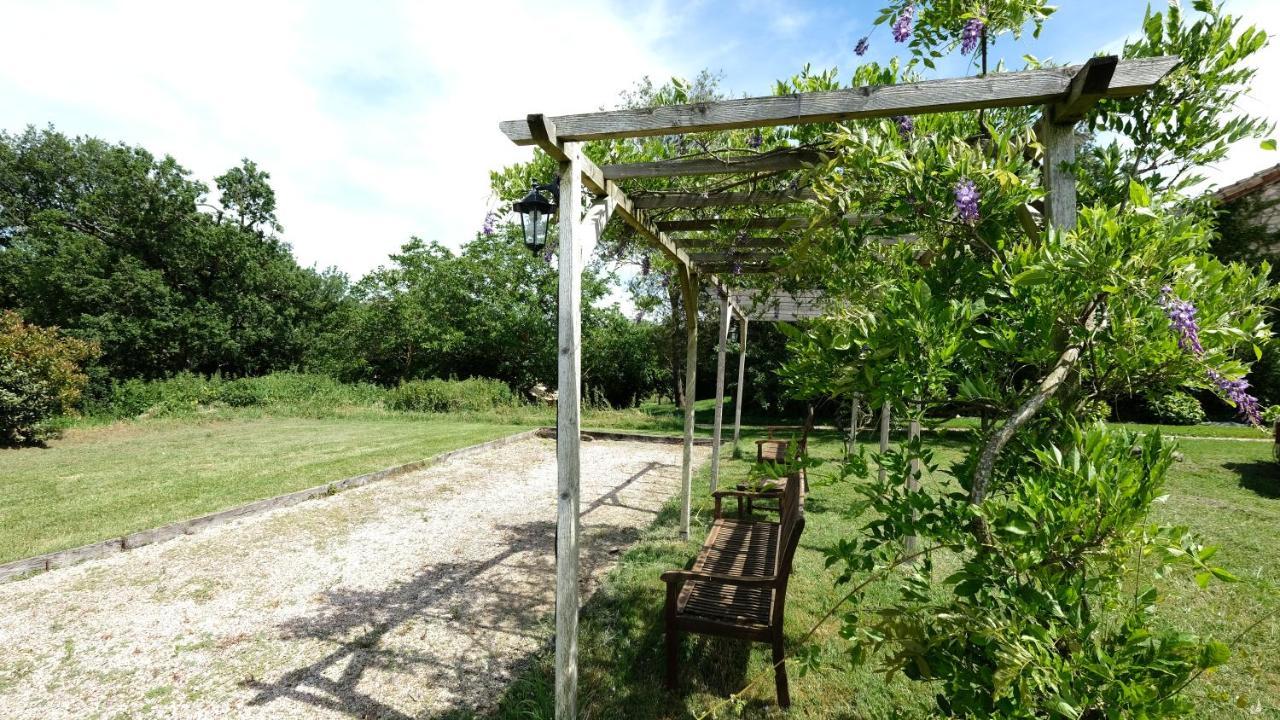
(379, 121)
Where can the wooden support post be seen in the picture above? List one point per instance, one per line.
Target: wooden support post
(737, 393)
(1059, 177)
(689, 287)
(884, 437)
(719, 413)
(568, 439)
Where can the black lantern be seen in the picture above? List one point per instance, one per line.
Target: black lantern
(535, 211)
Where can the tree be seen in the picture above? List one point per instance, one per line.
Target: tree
(1026, 324)
(108, 243)
(247, 195)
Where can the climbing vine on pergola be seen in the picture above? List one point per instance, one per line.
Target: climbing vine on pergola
(737, 227)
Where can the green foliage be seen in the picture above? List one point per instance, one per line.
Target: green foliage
(111, 244)
(937, 26)
(41, 376)
(1191, 118)
(1095, 410)
(998, 312)
(1054, 616)
(185, 393)
(1271, 415)
(1175, 408)
(435, 395)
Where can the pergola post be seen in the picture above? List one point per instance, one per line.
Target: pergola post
(1059, 177)
(689, 288)
(884, 437)
(719, 412)
(568, 440)
(737, 392)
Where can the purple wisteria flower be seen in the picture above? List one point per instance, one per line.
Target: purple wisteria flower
(490, 223)
(906, 125)
(737, 267)
(1182, 318)
(755, 140)
(861, 48)
(902, 26)
(970, 35)
(967, 198)
(1237, 391)
(645, 265)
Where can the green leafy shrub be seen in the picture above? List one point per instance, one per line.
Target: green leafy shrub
(186, 392)
(1175, 408)
(1271, 414)
(41, 376)
(1029, 625)
(1096, 410)
(435, 395)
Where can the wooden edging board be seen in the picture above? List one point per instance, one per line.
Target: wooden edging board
(106, 548)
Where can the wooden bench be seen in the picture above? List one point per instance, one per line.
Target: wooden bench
(737, 586)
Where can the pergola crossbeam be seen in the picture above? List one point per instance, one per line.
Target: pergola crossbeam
(693, 200)
(721, 258)
(782, 224)
(777, 161)
(746, 243)
(1027, 87)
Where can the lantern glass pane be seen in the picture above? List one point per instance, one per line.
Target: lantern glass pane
(541, 219)
(529, 221)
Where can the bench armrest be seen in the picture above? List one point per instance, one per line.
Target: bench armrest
(744, 493)
(680, 576)
(720, 495)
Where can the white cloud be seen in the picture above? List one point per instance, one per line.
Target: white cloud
(376, 121)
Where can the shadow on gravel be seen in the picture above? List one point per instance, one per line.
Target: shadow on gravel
(465, 603)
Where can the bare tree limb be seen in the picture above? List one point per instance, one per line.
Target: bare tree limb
(1048, 386)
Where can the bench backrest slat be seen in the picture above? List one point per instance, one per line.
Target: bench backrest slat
(790, 526)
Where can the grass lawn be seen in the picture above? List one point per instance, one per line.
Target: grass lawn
(1227, 491)
(1207, 430)
(103, 481)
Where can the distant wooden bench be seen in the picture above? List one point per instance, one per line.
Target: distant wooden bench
(737, 587)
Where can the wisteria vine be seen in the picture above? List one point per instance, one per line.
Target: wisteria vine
(1182, 320)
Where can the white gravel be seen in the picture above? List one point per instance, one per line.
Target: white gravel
(408, 597)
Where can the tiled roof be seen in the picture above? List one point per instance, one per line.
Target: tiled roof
(1249, 185)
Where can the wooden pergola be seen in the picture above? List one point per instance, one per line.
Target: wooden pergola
(1066, 94)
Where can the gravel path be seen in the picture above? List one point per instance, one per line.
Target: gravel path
(406, 598)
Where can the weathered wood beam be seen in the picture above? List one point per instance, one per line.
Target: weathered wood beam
(783, 224)
(723, 258)
(768, 162)
(718, 421)
(731, 268)
(543, 130)
(689, 289)
(1027, 87)
(721, 243)
(690, 200)
(737, 391)
(1089, 85)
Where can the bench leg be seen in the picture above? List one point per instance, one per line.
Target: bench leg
(673, 635)
(780, 673)
(673, 656)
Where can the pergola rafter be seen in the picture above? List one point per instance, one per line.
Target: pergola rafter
(1065, 93)
(695, 200)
